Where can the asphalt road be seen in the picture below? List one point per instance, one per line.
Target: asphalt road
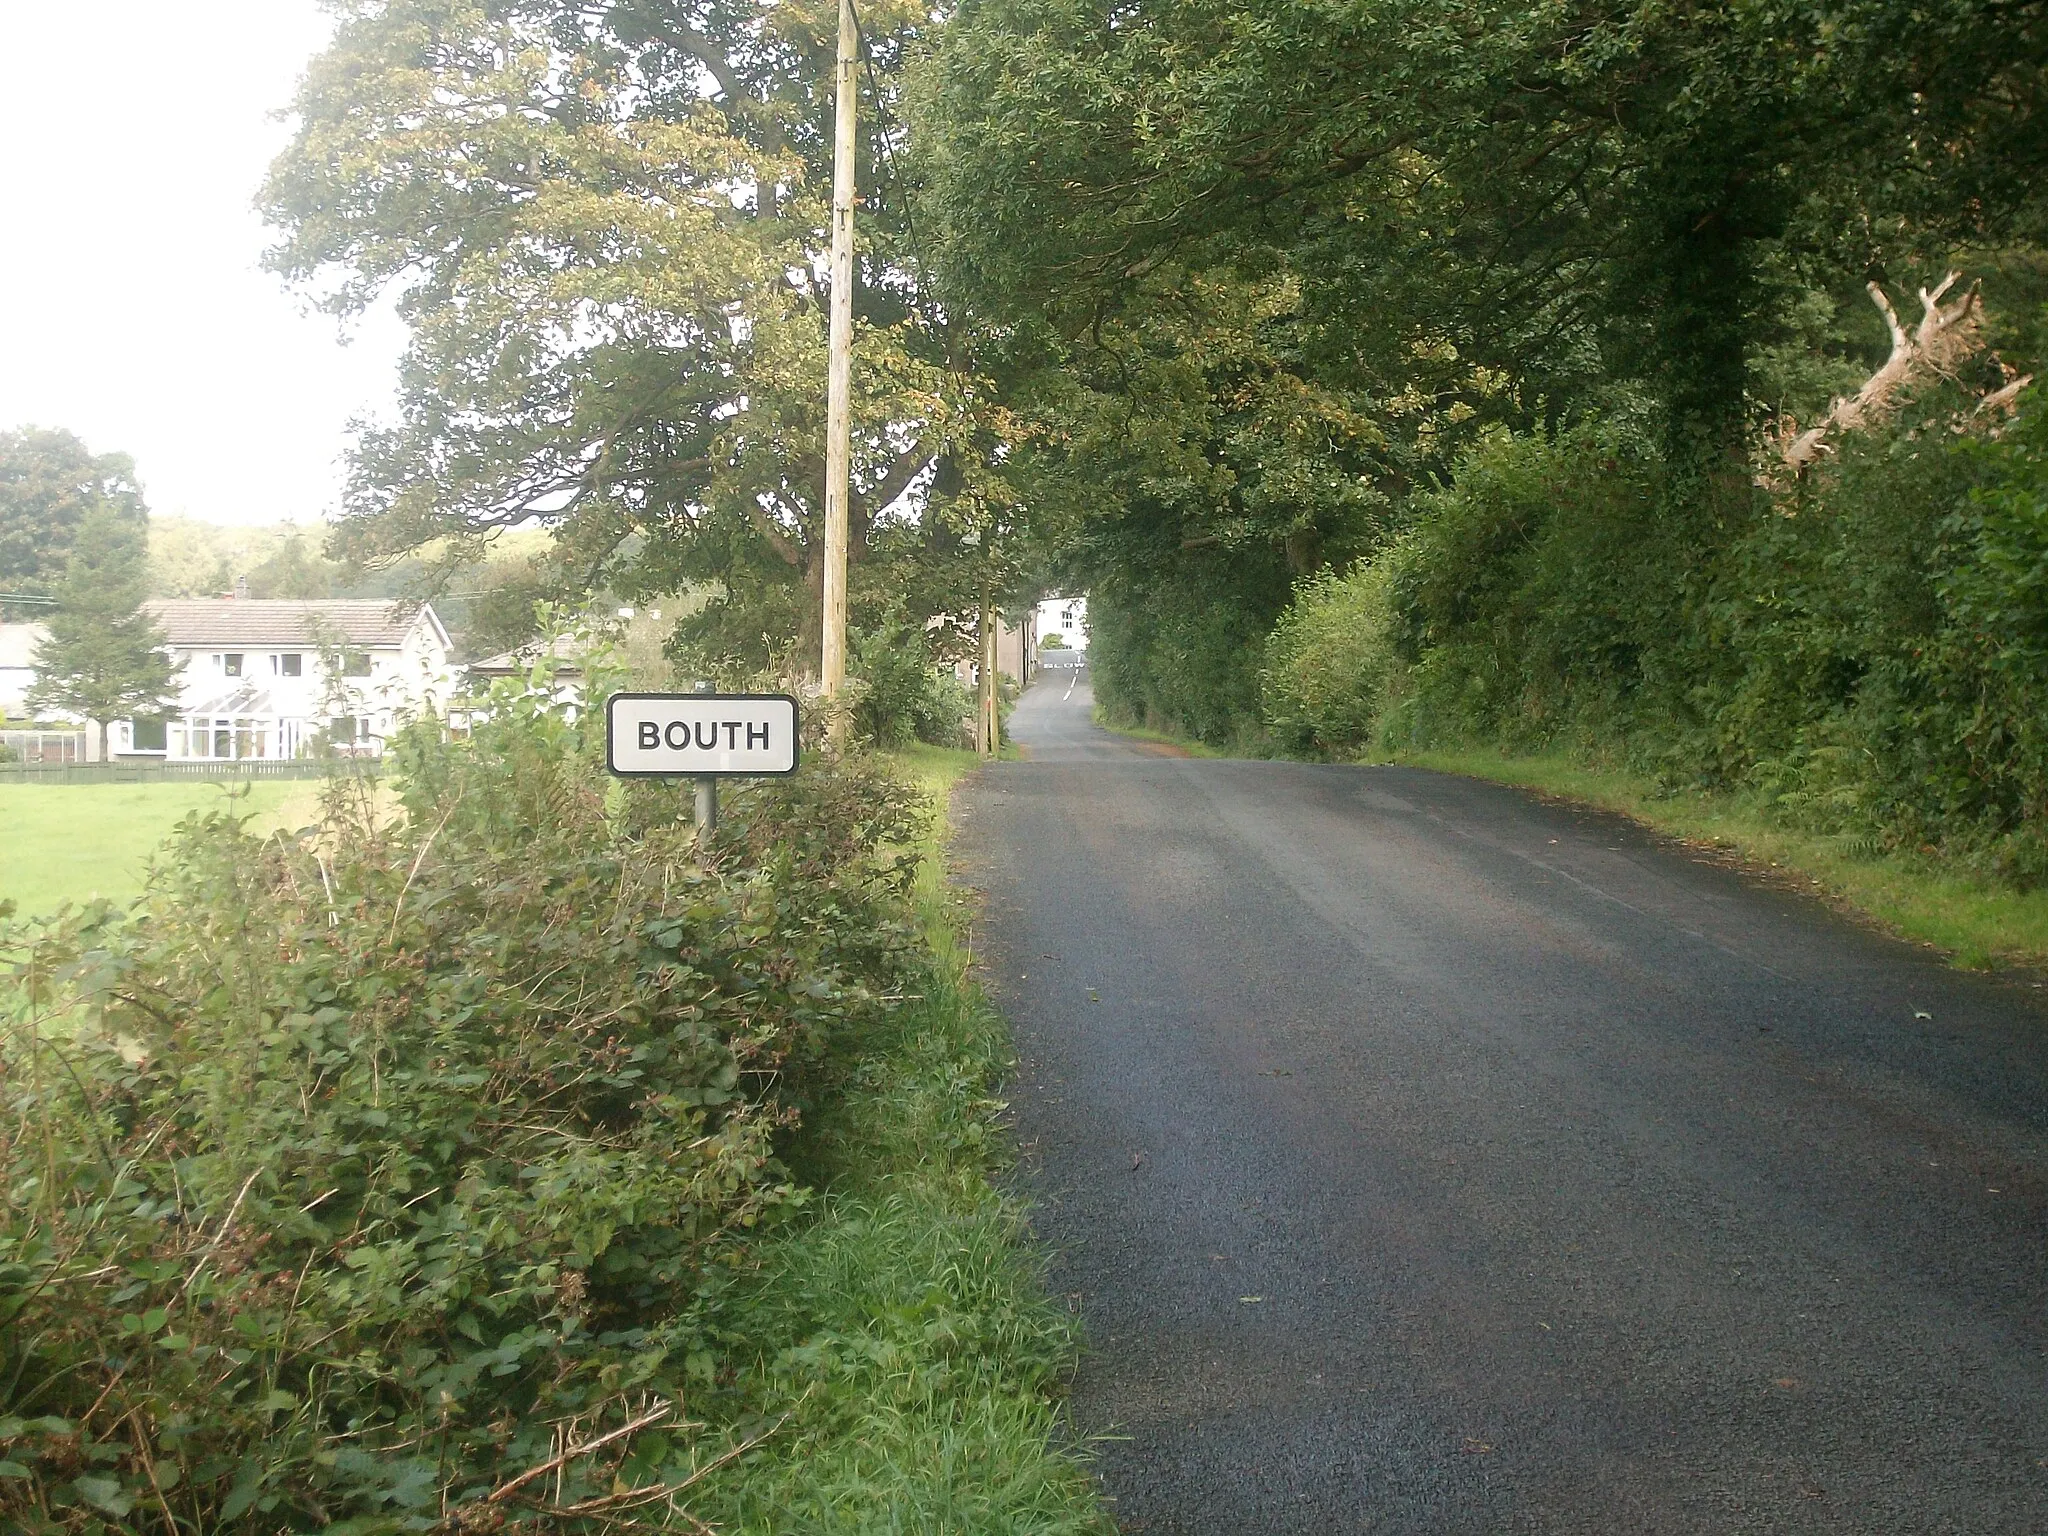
(1422, 1157)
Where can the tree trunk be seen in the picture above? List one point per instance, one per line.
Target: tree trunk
(1700, 336)
(811, 645)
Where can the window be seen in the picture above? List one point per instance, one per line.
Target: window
(226, 737)
(231, 664)
(355, 664)
(289, 664)
(148, 736)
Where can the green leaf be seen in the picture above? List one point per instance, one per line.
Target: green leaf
(247, 1490)
(105, 1493)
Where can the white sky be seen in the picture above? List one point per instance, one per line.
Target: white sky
(133, 137)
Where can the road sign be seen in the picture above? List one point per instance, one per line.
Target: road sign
(700, 735)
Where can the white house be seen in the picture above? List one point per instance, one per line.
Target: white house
(254, 681)
(1066, 617)
(18, 644)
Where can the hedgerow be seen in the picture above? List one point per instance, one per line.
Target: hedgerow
(1866, 657)
(382, 1178)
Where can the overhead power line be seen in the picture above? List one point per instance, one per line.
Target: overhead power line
(886, 121)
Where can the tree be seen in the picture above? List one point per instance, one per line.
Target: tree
(1566, 196)
(49, 483)
(605, 226)
(1265, 272)
(295, 570)
(104, 657)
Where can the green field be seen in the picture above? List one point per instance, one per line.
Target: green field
(71, 842)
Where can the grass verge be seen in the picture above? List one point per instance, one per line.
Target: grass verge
(1977, 924)
(1183, 746)
(72, 842)
(901, 1327)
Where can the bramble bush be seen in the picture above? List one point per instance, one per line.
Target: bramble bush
(357, 1173)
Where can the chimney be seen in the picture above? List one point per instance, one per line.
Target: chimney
(242, 588)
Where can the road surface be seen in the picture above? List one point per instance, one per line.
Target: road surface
(1422, 1157)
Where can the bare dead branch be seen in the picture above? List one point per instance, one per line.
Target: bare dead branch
(505, 1490)
(1948, 334)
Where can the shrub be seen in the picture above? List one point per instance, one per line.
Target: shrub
(906, 695)
(1330, 661)
(1533, 594)
(360, 1172)
(1867, 657)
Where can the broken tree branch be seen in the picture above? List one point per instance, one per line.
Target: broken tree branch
(1948, 334)
(2003, 398)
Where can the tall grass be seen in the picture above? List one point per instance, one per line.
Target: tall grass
(904, 1328)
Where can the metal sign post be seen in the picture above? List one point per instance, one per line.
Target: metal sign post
(703, 736)
(707, 787)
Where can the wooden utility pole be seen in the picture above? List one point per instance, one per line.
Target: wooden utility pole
(988, 712)
(839, 422)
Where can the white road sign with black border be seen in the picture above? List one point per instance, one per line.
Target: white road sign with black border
(701, 735)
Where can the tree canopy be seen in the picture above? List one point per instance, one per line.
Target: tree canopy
(1555, 197)
(1263, 274)
(606, 227)
(50, 482)
(1181, 304)
(103, 657)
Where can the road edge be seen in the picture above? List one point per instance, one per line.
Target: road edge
(1913, 897)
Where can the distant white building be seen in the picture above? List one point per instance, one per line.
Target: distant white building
(18, 644)
(1066, 617)
(253, 678)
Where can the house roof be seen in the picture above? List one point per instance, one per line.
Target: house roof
(566, 651)
(364, 621)
(244, 699)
